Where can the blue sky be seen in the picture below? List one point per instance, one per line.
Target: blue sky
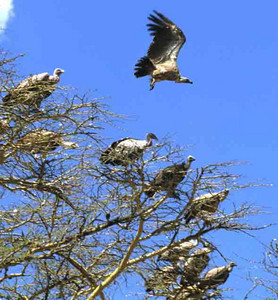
(229, 113)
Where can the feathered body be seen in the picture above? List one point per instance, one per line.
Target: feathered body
(125, 151)
(162, 278)
(216, 276)
(169, 178)
(195, 265)
(204, 205)
(178, 253)
(42, 141)
(33, 89)
(161, 61)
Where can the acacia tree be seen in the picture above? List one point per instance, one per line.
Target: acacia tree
(72, 228)
(269, 265)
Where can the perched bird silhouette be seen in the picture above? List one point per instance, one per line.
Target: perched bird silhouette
(195, 265)
(178, 253)
(127, 150)
(161, 60)
(204, 205)
(216, 276)
(33, 89)
(169, 178)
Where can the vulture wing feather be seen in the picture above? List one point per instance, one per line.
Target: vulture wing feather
(168, 39)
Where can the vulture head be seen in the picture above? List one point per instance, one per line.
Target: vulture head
(184, 80)
(58, 72)
(150, 137)
(224, 193)
(231, 265)
(190, 159)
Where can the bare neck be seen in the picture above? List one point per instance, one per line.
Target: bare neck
(149, 141)
(187, 165)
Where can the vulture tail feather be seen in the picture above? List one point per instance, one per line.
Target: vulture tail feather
(143, 67)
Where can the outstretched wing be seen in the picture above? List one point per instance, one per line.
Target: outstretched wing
(168, 39)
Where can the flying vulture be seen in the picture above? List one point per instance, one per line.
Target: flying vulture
(125, 151)
(204, 205)
(42, 141)
(161, 60)
(216, 276)
(195, 265)
(169, 178)
(162, 278)
(33, 89)
(178, 253)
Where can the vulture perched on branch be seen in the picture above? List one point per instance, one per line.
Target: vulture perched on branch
(178, 253)
(42, 141)
(125, 151)
(162, 278)
(169, 178)
(161, 61)
(33, 89)
(195, 265)
(204, 205)
(216, 276)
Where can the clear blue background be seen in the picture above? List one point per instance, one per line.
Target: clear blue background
(229, 113)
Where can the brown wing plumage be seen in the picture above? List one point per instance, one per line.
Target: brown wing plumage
(39, 141)
(168, 39)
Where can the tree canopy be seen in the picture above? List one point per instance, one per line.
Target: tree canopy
(72, 227)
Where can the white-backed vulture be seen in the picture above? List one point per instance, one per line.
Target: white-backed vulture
(127, 150)
(216, 276)
(161, 60)
(204, 205)
(33, 89)
(169, 178)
